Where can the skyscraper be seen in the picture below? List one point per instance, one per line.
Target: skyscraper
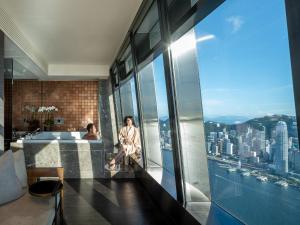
(281, 151)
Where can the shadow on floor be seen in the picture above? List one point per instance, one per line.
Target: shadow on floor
(115, 202)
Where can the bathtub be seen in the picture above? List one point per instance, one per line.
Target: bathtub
(58, 136)
(80, 158)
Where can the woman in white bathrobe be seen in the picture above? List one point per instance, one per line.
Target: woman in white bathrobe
(129, 138)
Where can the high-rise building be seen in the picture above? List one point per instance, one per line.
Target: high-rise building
(229, 148)
(281, 148)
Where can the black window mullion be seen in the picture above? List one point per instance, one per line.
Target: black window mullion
(138, 98)
(293, 23)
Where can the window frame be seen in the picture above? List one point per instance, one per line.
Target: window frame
(194, 15)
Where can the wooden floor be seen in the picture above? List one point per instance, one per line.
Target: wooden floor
(116, 202)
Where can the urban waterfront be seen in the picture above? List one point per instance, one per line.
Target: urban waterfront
(246, 198)
(253, 168)
(252, 201)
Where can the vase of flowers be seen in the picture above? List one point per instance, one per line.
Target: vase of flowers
(47, 114)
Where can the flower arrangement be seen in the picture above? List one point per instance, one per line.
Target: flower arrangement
(48, 111)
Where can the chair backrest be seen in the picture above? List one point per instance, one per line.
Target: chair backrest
(20, 167)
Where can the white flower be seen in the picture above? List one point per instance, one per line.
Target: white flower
(47, 109)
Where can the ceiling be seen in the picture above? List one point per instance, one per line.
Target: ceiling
(73, 32)
(23, 67)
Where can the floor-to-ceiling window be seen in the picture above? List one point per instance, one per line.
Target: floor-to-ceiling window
(239, 56)
(188, 98)
(127, 86)
(235, 140)
(128, 99)
(156, 124)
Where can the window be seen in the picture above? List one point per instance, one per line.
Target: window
(177, 9)
(128, 99)
(127, 60)
(148, 34)
(156, 124)
(240, 56)
(194, 159)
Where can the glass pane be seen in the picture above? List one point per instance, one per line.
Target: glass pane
(128, 100)
(241, 54)
(177, 9)
(156, 125)
(148, 34)
(128, 63)
(191, 120)
(127, 60)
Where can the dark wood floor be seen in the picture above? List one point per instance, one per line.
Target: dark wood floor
(116, 202)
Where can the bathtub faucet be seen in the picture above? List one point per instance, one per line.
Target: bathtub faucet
(30, 134)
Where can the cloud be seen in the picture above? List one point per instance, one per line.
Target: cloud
(236, 22)
(206, 37)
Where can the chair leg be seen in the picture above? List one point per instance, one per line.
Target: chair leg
(61, 207)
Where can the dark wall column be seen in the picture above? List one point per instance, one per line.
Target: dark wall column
(105, 118)
(8, 85)
(293, 21)
(1, 91)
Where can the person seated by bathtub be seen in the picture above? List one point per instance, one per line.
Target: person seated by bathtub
(92, 133)
(129, 138)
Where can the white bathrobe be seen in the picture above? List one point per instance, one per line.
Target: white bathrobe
(132, 134)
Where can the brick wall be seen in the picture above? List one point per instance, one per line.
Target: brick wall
(77, 102)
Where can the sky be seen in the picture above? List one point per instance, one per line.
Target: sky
(244, 65)
(243, 60)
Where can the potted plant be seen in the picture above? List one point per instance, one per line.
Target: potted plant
(48, 111)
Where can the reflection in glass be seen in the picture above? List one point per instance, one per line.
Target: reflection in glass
(157, 134)
(127, 59)
(177, 9)
(148, 34)
(190, 119)
(128, 99)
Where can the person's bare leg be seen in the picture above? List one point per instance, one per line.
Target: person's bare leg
(117, 158)
(113, 161)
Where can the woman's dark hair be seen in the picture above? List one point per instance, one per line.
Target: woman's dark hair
(89, 126)
(128, 117)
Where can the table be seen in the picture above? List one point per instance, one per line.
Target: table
(48, 188)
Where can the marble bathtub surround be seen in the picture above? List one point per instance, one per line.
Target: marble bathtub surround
(80, 158)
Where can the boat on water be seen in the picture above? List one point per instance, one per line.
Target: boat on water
(282, 183)
(254, 172)
(245, 174)
(262, 178)
(231, 169)
(242, 170)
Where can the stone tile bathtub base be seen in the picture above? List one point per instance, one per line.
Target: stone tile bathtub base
(80, 160)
